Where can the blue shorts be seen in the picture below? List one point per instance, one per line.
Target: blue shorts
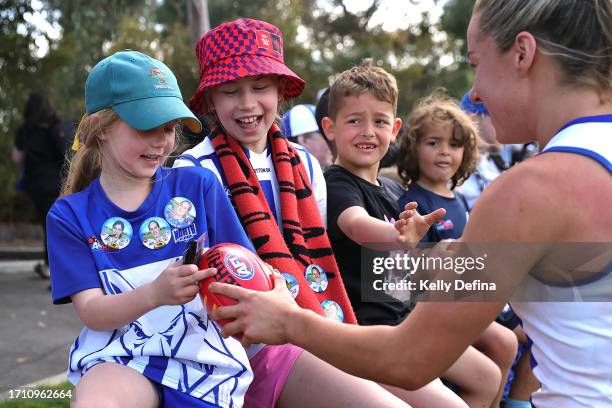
(171, 398)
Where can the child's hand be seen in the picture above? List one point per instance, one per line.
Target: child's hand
(413, 226)
(260, 317)
(178, 284)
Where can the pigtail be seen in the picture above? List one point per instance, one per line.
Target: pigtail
(86, 163)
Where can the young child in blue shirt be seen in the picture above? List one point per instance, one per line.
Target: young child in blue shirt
(438, 152)
(147, 340)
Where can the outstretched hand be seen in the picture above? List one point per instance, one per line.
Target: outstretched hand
(260, 317)
(413, 226)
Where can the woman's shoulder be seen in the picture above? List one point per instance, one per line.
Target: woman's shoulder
(531, 202)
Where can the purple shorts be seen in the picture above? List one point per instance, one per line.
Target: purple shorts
(271, 367)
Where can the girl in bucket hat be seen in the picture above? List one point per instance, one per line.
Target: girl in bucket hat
(278, 190)
(149, 344)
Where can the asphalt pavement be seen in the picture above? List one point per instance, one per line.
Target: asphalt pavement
(35, 335)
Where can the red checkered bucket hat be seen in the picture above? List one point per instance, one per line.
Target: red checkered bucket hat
(239, 49)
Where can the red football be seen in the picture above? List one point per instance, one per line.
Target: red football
(235, 265)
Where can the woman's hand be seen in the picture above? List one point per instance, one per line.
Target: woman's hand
(260, 317)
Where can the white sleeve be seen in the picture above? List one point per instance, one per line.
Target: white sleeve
(182, 163)
(319, 188)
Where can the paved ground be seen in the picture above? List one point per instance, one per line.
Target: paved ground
(35, 335)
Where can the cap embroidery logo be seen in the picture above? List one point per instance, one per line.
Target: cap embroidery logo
(158, 74)
(269, 41)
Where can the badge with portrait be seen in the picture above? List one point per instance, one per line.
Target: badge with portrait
(332, 310)
(116, 233)
(292, 284)
(316, 277)
(155, 233)
(179, 212)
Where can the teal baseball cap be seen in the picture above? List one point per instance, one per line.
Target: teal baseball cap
(140, 89)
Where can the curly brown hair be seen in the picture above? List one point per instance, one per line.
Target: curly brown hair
(436, 109)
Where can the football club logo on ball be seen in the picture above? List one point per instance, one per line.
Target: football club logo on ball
(240, 267)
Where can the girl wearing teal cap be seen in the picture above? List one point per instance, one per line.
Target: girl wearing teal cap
(147, 340)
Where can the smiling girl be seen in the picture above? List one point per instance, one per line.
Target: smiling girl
(278, 191)
(147, 341)
(438, 152)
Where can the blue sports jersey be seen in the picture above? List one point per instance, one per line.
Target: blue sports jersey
(453, 223)
(95, 244)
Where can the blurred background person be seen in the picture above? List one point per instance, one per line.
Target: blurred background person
(40, 148)
(495, 158)
(491, 163)
(321, 110)
(300, 126)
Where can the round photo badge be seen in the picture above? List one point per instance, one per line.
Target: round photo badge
(316, 277)
(155, 232)
(292, 284)
(179, 212)
(116, 233)
(332, 310)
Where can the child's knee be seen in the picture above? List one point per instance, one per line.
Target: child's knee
(490, 378)
(499, 344)
(479, 380)
(93, 401)
(506, 347)
(114, 385)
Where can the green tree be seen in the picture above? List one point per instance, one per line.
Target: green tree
(342, 38)
(457, 77)
(89, 29)
(321, 39)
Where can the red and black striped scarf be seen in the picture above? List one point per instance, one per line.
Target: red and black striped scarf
(303, 240)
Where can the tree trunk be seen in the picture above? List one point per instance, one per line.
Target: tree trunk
(199, 21)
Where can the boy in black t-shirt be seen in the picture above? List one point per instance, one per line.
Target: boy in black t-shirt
(362, 213)
(361, 210)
